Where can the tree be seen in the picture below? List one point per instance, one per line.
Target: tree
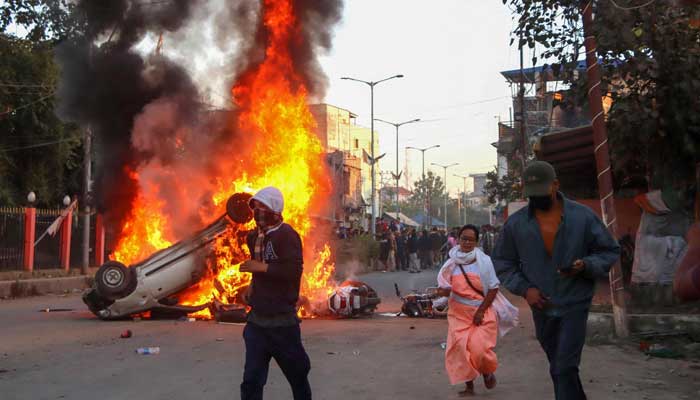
(501, 190)
(432, 189)
(38, 152)
(42, 20)
(651, 64)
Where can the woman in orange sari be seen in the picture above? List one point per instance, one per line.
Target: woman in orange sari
(472, 322)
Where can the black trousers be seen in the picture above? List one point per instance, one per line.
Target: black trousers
(401, 260)
(426, 261)
(282, 344)
(562, 338)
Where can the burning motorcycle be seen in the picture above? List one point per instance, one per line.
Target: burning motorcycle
(428, 304)
(353, 299)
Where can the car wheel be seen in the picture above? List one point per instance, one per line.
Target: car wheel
(237, 208)
(114, 280)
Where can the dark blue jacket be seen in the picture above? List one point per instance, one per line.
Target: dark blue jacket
(521, 260)
(276, 291)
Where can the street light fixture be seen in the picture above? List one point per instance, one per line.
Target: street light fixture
(425, 194)
(397, 175)
(464, 193)
(444, 167)
(371, 85)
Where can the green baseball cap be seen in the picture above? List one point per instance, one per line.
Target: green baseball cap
(538, 178)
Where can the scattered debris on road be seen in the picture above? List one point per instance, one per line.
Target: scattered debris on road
(126, 334)
(148, 350)
(48, 310)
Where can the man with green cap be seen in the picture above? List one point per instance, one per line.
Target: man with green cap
(551, 253)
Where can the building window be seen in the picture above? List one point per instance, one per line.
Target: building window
(346, 181)
(357, 143)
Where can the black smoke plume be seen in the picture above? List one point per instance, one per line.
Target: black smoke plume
(105, 84)
(135, 103)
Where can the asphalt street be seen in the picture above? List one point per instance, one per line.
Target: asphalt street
(72, 355)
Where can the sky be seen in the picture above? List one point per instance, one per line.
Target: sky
(451, 53)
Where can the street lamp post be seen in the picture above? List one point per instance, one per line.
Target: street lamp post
(464, 193)
(371, 85)
(425, 193)
(397, 175)
(444, 167)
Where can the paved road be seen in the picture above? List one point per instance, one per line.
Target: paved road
(71, 355)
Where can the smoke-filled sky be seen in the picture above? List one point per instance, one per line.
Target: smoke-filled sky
(451, 52)
(145, 107)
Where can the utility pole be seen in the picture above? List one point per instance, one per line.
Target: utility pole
(444, 167)
(521, 100)
(397, 175)
(373, 160)
(382, 187)
(87, 165)
(425, 187)
(604, 172)
(464, 194)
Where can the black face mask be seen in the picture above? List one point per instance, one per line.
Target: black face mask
(541, 202)
(266, 219)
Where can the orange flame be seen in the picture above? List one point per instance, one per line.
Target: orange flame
(144, 232)
(285, 152)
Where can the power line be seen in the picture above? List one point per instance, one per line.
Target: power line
(466, 104)
(23, 85)
(630, 8)
(26, 105)
(19, 84)
(32, 146)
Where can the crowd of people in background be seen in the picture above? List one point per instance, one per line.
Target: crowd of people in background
(407, 248)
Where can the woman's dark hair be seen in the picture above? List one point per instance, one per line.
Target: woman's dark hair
(469, 226)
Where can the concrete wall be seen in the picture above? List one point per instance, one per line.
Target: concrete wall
(332, 126)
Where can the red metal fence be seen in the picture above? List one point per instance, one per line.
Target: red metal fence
(25, 246)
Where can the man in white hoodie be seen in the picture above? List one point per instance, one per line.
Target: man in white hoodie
(273, 330)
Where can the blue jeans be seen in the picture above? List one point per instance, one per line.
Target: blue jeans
(282, 344)
(562, 339)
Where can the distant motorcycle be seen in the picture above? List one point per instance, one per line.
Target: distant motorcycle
(353, 299)
(428, 304)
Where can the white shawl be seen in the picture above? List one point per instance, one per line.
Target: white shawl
(507, 313)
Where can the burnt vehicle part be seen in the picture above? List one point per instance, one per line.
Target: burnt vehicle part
(428, 304)
(353, 299)
(231, 313)
(120, 291)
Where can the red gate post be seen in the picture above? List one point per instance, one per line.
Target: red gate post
(99, 240)
(29, 236)
(65, 241)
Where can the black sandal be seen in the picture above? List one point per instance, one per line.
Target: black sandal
(490, 381)
(468, 390)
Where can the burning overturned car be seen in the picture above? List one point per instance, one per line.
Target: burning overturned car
(120, 291)
(155, 284)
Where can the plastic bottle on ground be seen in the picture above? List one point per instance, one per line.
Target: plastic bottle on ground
(148, 350)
